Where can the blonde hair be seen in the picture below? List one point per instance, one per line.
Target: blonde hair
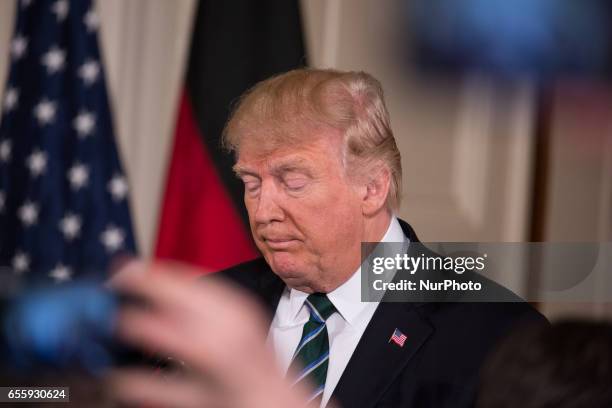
(350, 102)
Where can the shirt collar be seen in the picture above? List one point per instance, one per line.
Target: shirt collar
(347, 297)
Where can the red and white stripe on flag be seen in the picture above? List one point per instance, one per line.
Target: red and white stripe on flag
(398, 338)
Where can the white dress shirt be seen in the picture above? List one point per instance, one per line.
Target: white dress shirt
(344, 328)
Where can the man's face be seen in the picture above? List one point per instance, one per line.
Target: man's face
(305, 215)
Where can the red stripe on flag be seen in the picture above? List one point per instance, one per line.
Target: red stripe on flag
(199, 222)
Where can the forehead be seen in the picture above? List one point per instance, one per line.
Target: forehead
(318, 153)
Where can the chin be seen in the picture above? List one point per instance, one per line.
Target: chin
(293, 272)
(285, 265)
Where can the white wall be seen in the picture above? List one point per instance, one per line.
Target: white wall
(579, 205)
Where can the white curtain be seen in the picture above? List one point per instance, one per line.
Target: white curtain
(145, 45)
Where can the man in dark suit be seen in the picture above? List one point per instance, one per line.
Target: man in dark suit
(322, 174)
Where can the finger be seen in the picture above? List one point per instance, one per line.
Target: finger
(119, 270)
(150, 330)
(168, 285)
(141, 388)
(135, 274)
(203, 348)
(211, 305)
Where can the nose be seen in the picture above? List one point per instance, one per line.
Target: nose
(268, 208)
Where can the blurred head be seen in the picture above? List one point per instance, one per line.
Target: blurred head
(568, 365)
(321, 170)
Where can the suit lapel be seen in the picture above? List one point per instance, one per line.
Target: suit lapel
(377, 360)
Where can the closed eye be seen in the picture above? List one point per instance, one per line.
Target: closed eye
(295, 184)
(251, 184)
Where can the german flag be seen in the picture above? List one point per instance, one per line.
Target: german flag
(235, 44)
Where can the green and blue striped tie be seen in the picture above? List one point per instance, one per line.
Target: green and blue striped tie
(311, 356)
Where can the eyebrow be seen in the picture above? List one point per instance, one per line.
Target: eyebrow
(240, 171)
(299, 165)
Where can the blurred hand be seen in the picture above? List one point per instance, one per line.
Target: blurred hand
(215, 328)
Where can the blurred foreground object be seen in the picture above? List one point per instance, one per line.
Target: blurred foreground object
(67, 329)
(537, 38)
(213, 334)
(219, 332)
(567, 365)
(63, 194)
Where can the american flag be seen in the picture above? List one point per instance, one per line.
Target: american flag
(398, 338)
(63, 195)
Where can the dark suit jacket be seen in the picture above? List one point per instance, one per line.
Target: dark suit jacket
(438, 366)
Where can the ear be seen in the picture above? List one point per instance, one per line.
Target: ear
(376, 191)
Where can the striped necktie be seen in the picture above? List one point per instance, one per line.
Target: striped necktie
(311, 356)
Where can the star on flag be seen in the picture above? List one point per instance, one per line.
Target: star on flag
(60, 9)
(60, 273)
(11, 99)
(54, 60)
(89, 71)
(28, 213)
(84, 123)
(19, 46)
(45, 111)
(70, 226)
(5, 150)
(21, 262)
(37, 163)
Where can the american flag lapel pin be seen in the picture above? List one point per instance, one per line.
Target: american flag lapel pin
(398, 338)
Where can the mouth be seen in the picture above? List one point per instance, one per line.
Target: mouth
(279, 243)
